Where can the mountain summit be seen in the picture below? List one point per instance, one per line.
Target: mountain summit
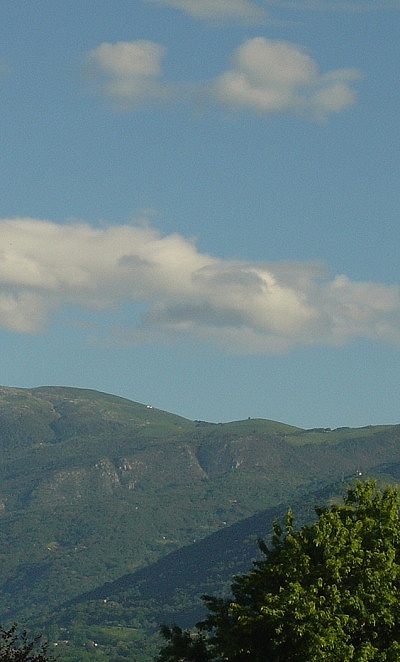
(95, 487)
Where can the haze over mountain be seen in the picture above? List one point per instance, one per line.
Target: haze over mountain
(97, 489)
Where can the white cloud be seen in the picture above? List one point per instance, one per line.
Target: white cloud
(217, 9)
(129, 71)
(240, 306)
(267, 77)
(274, 76)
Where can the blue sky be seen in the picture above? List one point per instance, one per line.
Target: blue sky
(199, 205)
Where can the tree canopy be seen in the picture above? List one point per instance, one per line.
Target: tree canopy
(15, 647)
(329, 590)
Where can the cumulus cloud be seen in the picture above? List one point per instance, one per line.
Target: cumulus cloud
(183, 293)
(274, 76)
(217, 9)
(129, 71)
(267, 76)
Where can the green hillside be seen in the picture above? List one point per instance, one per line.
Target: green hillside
(123, 617)
(94, 487)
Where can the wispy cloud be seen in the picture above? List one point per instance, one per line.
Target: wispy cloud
(267, 76)
(244, 10)
(252, 11)
(240, 306)
(338, 5)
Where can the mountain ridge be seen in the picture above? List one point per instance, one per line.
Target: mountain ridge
(94, 487)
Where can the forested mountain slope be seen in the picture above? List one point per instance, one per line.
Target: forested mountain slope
(94, 487)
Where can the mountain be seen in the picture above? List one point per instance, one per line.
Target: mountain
(96, 489)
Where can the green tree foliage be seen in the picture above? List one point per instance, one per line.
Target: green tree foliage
(184, 645)
(16, 647)
(327, 591)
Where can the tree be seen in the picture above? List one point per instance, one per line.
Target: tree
(16, 647)
(327, 591)
(184, 645)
